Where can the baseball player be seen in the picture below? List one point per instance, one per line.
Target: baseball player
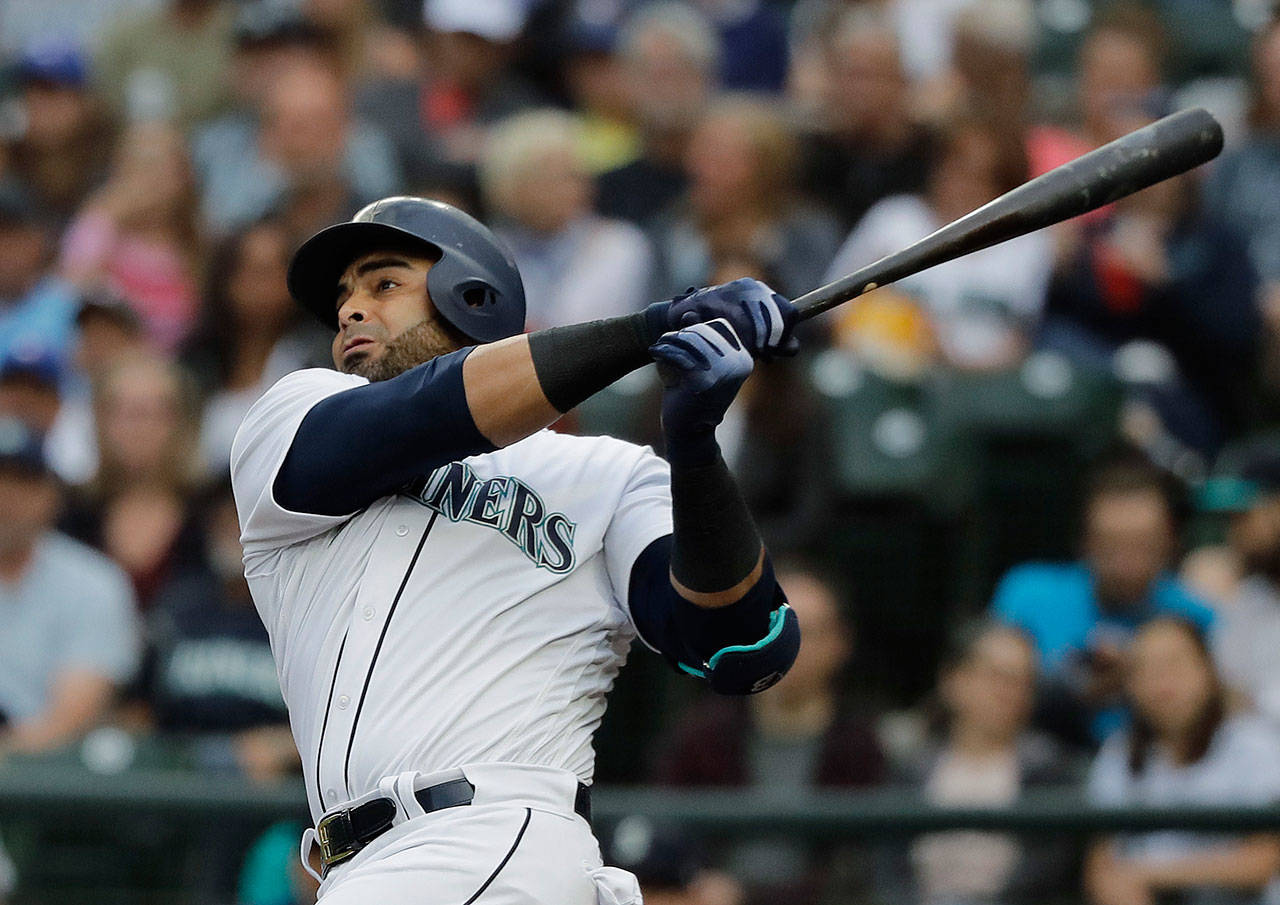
(450, 588)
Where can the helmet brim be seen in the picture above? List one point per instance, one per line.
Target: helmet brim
(319, 262)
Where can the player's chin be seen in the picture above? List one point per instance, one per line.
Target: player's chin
(358, 362)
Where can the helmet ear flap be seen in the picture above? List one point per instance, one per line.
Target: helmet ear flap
(472, 304)
(477, 294)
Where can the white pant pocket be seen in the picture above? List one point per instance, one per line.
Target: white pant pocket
(615, 886)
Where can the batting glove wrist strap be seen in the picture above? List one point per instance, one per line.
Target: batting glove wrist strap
(578, 361)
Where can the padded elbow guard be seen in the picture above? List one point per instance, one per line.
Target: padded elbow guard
(751, 668)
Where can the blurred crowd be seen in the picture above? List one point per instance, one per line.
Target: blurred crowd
(160, 159)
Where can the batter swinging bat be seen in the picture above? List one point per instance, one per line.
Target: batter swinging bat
(1140, 159)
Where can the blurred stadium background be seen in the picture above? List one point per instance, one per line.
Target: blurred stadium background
(1028, 502)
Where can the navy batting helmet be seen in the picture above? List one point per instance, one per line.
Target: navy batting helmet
(474, 282)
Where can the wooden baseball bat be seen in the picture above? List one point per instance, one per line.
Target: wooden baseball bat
(1156, 152)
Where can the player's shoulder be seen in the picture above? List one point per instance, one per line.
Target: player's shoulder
(306, 381)
(297, 390)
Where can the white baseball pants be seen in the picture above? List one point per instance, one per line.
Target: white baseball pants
(518, 843)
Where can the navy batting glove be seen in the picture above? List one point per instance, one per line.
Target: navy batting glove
(702, 368)
(762, 318)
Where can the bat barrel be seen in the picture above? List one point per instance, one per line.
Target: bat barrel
(1156, 152)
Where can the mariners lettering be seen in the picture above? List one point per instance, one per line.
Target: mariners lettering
(504, 503)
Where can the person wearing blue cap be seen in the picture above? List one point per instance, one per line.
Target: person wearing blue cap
(36, 306)
(68, 636)
(59, 153)
(29, 379)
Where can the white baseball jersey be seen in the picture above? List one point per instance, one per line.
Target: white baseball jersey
(478, 616)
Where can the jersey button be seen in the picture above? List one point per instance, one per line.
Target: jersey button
(402, 530)
(368, 613)
(343, 702)
(330, 794)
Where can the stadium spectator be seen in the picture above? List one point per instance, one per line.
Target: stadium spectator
(1184, 748)
(670, 55)
(472, 83)
(368, 48)
(108, 332)
(753, 43)
(251, 333)
(167, 62)
(1240, 185)
(990, 73)
(58, 154)
(1081, 615)
(741, 201)
(436, 108)
(269, 41)
(1248, 633)
(1246, 176)
(956, 54)
(137, 507)
(29, 380)
(310, 158)
(1119, 86)
(137, 236)
(214, 680)
(596, 84)
(78, 22)
(799, 735)
(272, 872)
(575, 264)
(867, 146)
(985, 755)
(985, 307)
(1161, 269)
(37, 307)
(69, 636)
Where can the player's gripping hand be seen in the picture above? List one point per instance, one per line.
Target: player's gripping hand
(762, 318)
(702, 368)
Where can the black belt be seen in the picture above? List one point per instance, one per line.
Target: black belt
(344, 832)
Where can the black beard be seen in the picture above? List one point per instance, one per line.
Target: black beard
(424, 341)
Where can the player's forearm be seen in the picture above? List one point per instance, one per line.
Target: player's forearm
(717, 556)
(520, 385)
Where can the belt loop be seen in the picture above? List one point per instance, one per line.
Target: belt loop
(309, 840)
(404, 793)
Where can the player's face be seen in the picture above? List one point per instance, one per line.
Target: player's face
(381, 295)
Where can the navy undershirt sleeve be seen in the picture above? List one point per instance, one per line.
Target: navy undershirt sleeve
(684, 632)
(367, 442)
